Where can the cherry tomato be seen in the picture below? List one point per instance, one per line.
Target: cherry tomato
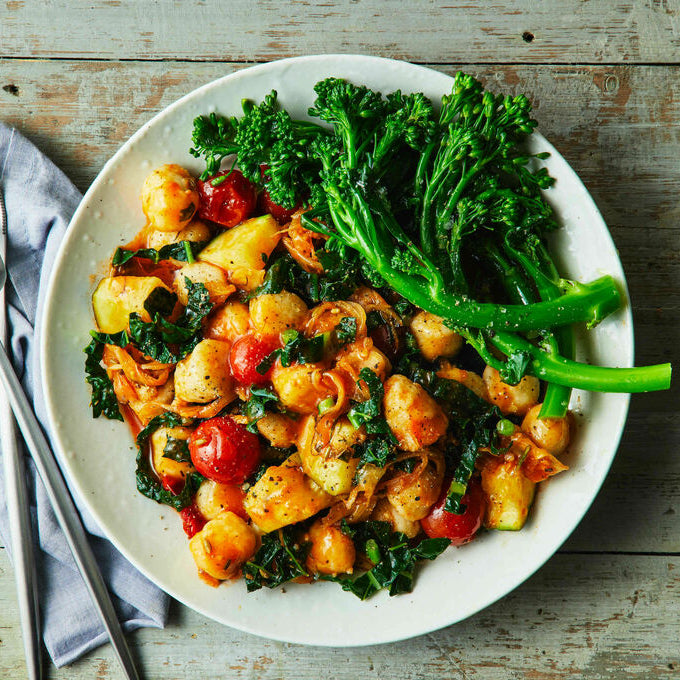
(458, 528)
(278, 212)
(172, 484)
(230, 201)
(247, 353)
(223, 450)
(192, 520)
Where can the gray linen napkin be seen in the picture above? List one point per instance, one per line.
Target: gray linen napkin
(40, 201)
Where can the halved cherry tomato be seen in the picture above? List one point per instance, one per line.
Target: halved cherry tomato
(172, 484)
(192, 520)
(278, 212)
(247, 353)
(458, 529)
(223, 450)
(226, 201)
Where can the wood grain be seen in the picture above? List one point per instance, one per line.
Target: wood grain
(581, 616)
(557, 31)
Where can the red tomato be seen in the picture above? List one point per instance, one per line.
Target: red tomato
(247, 353)
(229, 202)
(192, 520)
(279, 213)
(458, 528)
(223, 450)
(172, 484)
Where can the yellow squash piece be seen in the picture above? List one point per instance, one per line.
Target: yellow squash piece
(509, 494)
(116, 297)
(284, 495)
(334, 475)
(243, 250)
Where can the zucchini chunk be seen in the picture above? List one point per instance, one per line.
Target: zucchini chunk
(243, 250)
(116, 297)
(508, 492)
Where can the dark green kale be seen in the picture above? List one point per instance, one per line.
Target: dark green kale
(184, 251)
(297, 348)
(394, 559)
(104, 401)
(280, 559)
(346, 330)
(379, 451)
(256, 406)
(148, 483)
(369, 412)
(169, 342)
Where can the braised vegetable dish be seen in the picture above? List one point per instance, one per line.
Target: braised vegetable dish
(345, 346)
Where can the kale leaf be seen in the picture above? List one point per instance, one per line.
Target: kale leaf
(394, 559)
(154, 337)
(297, 348)
(147, 481)
(368, 413)
(104, 401)
(255, 407)
(177, 449)
(183, 251)
(280, 559)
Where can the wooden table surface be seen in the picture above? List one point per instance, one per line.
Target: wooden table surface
(78, 78)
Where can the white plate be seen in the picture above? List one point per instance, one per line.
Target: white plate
(98, 455)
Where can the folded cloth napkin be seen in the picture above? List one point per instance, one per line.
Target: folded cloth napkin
(40, 200)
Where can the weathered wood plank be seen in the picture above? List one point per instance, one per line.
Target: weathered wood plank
(617, 126)
(564, 31)
(597, 617)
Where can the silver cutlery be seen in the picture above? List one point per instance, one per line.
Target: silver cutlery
(64, 510)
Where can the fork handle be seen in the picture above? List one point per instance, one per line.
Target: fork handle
(21, 540)
(65, 511)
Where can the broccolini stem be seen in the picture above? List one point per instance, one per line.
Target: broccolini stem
(557, 369)
(561, 340)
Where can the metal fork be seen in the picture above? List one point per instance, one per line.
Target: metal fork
(18, 510)
(63, 506)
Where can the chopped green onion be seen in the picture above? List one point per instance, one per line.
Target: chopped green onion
(218, 180)
(372, 550)
(189, 252)
(326, 405)
(505, 427)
